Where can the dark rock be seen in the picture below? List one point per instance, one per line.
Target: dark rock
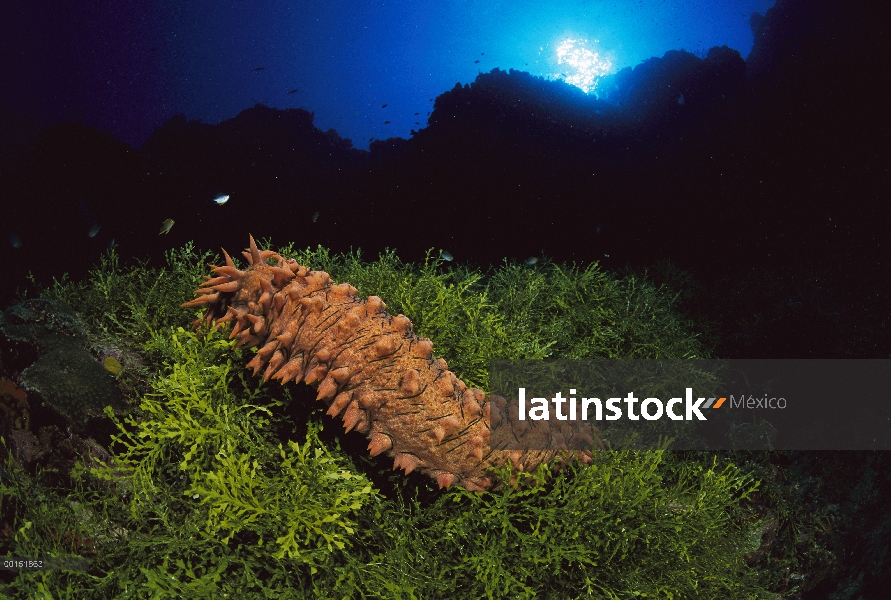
(53, 393)
(70, 386)
(25, 330)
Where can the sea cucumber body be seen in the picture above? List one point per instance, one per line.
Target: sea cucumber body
(374, 371)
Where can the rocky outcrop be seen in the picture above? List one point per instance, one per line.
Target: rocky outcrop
(52, 390)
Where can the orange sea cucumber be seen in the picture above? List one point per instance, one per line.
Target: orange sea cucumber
(371, 368)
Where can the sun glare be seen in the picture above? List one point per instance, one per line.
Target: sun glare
(587, 65)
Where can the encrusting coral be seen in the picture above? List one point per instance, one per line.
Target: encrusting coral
(371, 368)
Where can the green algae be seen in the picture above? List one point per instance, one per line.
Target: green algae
(204, 500)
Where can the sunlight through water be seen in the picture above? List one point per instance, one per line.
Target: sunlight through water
(586, 65)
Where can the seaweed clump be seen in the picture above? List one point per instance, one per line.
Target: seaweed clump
(218, 486)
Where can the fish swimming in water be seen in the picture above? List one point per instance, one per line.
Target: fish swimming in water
(259, 68)
(113, 365)
(15, 241)
(416, 114)
(294, 91)
(315, 216)
(446, 255)
(476, 62)
(92, 225)
(383, 106)
(386, 122)
(681, 100)
(531, 261)
(166, 226)
(221, 199)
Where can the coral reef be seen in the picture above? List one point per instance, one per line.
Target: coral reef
(371, 368)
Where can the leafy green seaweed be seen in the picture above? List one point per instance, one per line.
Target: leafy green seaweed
(204, 500)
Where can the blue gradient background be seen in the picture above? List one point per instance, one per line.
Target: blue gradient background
(128, 66)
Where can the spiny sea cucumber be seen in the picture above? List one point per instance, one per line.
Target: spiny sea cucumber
(371, 368)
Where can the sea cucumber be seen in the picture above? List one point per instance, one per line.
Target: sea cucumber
(373, 370)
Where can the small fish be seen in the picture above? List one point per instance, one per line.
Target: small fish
(221, 199)
(531, 261)
(416, 123)
(482, 53)
(94, 229)
(383, 106)
(111, 244)
(15, 241)
(386, 122)
(681, 100)
(416, 114)
(294, 91)
(315, 216)
(446, 255)
(166, 226)
(260, 69)
(599, 228)
(113, 365)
